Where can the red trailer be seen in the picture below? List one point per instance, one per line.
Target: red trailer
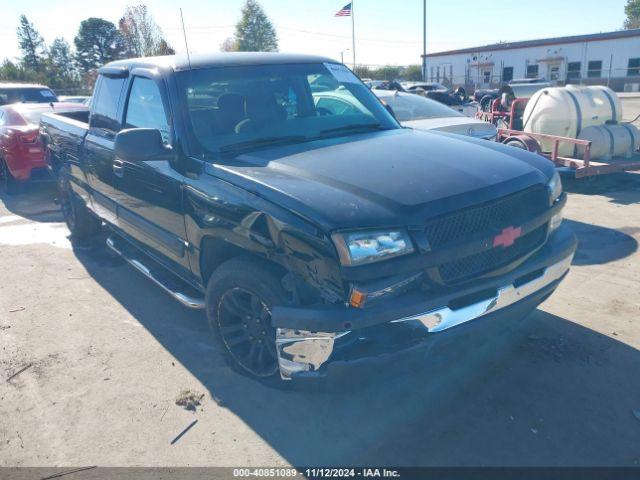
(509, 124)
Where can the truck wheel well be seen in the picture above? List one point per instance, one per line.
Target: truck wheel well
(214, 252)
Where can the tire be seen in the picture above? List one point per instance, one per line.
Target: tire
(82, 224)
(514, 142)
(8, 184)
(239, 298)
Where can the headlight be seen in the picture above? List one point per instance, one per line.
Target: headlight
(357, 248)
(555, 187)
(555, 190)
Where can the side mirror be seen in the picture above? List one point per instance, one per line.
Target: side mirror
(140, 144)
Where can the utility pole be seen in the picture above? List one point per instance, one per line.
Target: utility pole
(424, 40)
(353, 34)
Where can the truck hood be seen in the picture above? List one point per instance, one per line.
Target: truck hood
(392, 178)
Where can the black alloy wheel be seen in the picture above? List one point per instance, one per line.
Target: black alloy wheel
(244, 325)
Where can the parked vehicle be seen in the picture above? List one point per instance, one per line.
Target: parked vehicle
(422, 113)
(21, 151)
(424, 86)
(313, 238)
(25, 93)
(83, 99)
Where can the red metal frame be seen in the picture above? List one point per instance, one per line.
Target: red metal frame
(583, 167)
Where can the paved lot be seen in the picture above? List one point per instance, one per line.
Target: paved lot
(108, 354)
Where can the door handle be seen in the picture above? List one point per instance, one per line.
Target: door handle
(118, 168)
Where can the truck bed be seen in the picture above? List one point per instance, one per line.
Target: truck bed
(63, 134)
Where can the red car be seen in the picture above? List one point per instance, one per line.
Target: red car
(21, 149)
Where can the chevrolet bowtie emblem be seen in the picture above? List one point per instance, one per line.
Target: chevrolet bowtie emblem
(507, 237)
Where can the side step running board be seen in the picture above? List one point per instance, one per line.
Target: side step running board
(190, 301)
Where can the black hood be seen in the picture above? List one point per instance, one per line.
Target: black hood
(393, 178)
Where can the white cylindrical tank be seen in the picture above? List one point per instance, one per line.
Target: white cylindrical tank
(607, 141)
(566, 111)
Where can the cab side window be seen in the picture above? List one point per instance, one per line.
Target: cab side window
(104, 114)
(145, 108)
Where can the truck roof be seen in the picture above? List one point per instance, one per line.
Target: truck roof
(181, 62)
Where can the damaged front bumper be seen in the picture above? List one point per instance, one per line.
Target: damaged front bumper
(309, 339)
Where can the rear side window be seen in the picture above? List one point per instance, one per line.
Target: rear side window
(105, 105)
(26, 95)
(145, 109)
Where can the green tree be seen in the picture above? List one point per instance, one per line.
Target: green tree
(412, 73)
(388, 72)
(362, 71)
(142, 36)
(98, 42)
(62, 71)
(632, 9)
(254, 31)
(31, 45)
(12, 72)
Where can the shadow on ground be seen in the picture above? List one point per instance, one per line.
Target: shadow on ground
(545, 392)
(598, 245)
(34, 201)
(621, 188)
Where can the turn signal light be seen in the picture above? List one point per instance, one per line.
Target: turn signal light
(357, 298)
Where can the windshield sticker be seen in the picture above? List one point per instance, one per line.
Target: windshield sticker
(46, 93)
(341, 73)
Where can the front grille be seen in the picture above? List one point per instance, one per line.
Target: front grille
(487, 220)
(490, 217)
(467, 267)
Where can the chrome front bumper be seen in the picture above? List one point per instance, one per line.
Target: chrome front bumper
(303, 351)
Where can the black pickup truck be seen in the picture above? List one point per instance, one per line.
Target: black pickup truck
(314, 235)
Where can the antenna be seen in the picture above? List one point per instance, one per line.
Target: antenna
(184, 32)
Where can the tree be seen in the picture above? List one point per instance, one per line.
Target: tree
(9, 71)
(142, 36)
(362, 71)
(63, 71)
(632, 9)
(412, 73)
(254, 31)
(98, 42)
(388, 72)
(229, 45)
(31, 44)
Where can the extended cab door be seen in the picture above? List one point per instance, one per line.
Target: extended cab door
(97, 159)
(149, 193)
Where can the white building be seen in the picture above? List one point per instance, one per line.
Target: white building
(611, 58)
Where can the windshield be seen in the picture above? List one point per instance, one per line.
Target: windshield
(235, 109)
(26, 95)
(414, 107)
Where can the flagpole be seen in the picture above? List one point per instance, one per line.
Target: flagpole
(353, 34)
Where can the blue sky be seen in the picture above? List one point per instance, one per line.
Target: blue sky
(387, 32)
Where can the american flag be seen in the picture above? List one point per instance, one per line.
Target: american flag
(345, 12)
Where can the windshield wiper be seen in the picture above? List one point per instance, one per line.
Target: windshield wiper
(261, 142)
(353, 127)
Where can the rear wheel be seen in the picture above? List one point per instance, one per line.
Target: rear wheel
(82, 224)
(240, 297)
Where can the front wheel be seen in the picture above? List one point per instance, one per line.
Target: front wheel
(82, 224)
(240, 296)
